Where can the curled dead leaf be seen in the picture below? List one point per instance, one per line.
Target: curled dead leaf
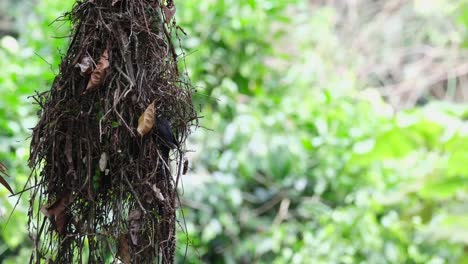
(99, 74)
(186, 163)
(169, 12)
(103, 161)
(58, 211)
(134, 217)
(146, 120)
(124, 250)
(3, 182)
(86, 66)
(158, 193)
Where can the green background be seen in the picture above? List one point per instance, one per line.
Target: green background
(299, 159)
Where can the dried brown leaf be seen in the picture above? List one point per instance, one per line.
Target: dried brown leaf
(103, 162)
(3, 170)
(169, 12)
(146, 120)
(5, 183)
(86, 66)
(124, 250)
(58, 210)
(158, 193)
(99, 74)
(134, 217)
(186, 163)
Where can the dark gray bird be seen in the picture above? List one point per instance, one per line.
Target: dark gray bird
(165, 134)
(166, 138)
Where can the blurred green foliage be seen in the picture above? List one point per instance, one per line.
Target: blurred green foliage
(299, 163)
(28, 64)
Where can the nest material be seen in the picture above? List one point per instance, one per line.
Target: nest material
(99, 184)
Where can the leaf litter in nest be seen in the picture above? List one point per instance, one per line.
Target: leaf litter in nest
(124, 250)
(158, 193)
(103, 161)
(134, 218)
(86, 66)
(146, 120)
(99, 74)
(169, 12)
(58, 210)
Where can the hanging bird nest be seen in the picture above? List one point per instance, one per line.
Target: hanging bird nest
(104, 175)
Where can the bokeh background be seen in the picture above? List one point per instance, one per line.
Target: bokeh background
(332, 131)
